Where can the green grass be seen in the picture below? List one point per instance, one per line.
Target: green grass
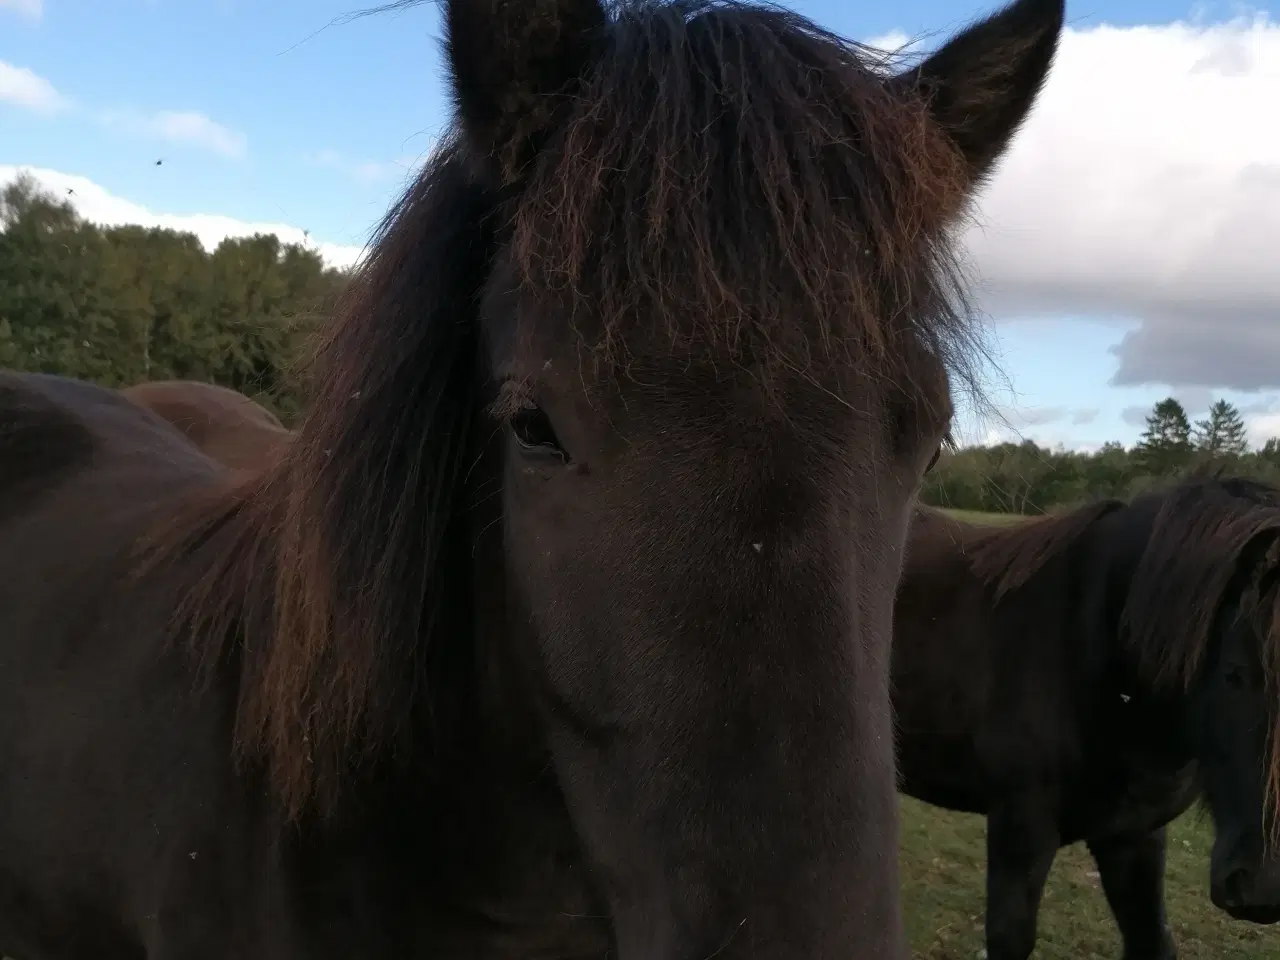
(944, 876)
(977, 516)
(944, 861)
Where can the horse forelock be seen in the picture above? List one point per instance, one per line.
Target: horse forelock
(733, 181)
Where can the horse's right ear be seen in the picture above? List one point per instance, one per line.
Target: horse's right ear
(513, 63)
(981, 84)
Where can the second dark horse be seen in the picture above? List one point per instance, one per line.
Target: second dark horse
(1084, 677)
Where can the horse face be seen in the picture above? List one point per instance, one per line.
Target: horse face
(1233, 715)
(718, 319)
(706, 582)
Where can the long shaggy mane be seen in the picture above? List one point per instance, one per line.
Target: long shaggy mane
(330, 581)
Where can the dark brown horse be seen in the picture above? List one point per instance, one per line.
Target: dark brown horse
(1070, 676)
(224, 424)
(561, 628)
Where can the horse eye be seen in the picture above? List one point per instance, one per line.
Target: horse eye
(933, 461)
(533, 431)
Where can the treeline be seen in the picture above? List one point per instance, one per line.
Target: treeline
(122, 305)
(1027, 478)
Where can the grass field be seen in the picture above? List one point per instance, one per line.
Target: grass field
(944, 863)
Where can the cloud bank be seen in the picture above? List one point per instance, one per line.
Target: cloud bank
(99, 205)
(23, 88)
(1146, 186)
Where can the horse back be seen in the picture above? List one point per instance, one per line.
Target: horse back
(51, 425)
(113, 766)
(227, 426)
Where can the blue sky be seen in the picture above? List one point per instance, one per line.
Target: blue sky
(271, 112)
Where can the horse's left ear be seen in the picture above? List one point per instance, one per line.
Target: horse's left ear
(980, 86)
(513, 63)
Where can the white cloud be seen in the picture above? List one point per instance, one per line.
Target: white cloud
(22, 87)
(1048, 426)
(1262, 427)
(1049, 438)
(24, 8)
(367, 171)
(98, 205)
(893, 41)
(1147, 184)
(179, 126)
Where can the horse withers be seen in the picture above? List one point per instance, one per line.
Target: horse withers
(238, 432)
(1059, 675)
(561, 627)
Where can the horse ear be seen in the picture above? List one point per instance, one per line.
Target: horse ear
(512, 64)
(980, 86)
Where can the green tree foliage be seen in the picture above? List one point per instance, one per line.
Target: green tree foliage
(1269, 453)
(1026, 478)
(1165, 446)
(1222, 434)
(127, 304)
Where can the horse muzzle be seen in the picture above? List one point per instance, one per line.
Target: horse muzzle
(1252, 895)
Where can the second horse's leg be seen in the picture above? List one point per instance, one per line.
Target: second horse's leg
(1022, 840)
(1132, 870)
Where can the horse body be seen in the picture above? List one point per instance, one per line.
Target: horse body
(72, 674)
(226, 425)
(1042, 701)
(1020, 696)
(127, 831)
(561, 625)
